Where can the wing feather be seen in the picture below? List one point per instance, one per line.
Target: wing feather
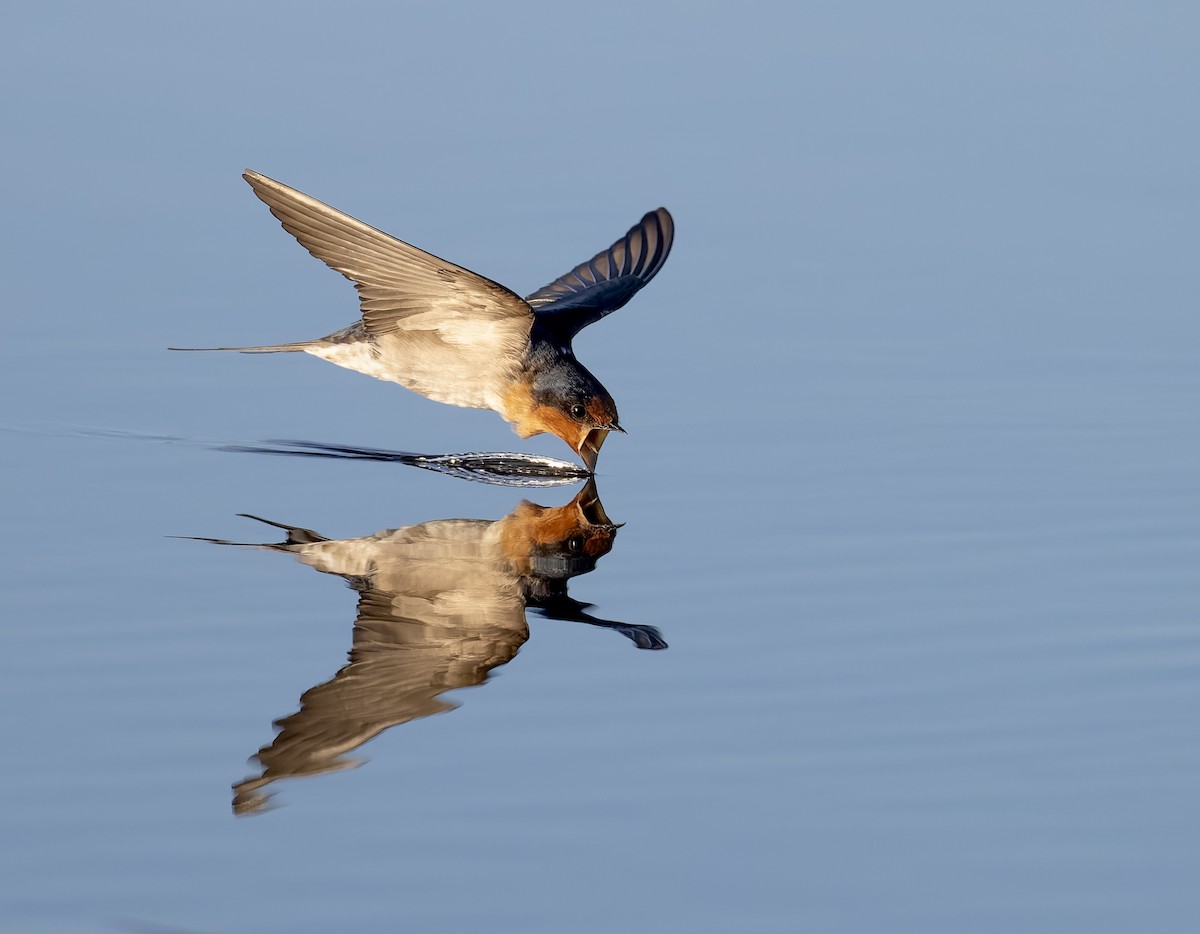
(608, 280)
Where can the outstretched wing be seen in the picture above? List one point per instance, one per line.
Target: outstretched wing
(437, 322)
(608, 280)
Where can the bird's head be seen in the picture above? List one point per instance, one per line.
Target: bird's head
(590, 423)
(582, 417)
(566, 400)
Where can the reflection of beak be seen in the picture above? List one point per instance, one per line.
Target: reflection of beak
(592, 510)
(589, 448)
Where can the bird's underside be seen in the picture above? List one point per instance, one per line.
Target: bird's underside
(421, 361)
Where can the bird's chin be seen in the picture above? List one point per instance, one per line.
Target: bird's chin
(589, 447)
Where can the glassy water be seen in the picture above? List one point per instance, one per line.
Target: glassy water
(883, 616)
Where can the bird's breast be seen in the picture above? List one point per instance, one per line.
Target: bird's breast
(530, 417)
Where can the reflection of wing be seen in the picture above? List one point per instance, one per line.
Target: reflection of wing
(438, 329)
(437, 611)
(398, 669)
(557, 605)
(608, 280)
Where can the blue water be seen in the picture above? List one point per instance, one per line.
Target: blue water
(910, 486)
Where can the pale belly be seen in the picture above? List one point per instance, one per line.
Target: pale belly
(426, 366)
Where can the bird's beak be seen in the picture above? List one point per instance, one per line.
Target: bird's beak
(589, 447)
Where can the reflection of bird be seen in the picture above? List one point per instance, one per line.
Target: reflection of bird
(440, 605)
(456, 337)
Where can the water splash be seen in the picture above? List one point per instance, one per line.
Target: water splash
(501, 468)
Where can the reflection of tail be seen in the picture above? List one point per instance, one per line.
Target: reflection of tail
(295, 536)
(266, 348)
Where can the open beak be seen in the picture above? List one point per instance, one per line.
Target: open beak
(589, 448)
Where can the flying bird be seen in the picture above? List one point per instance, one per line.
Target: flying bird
(457, 337)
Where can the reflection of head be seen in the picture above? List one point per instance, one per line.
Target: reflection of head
(548, 546)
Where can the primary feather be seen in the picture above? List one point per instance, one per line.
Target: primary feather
(608, 280)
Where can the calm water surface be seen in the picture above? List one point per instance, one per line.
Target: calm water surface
(938, 651)
(900, 632)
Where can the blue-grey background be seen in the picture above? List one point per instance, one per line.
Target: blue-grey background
(910, 485)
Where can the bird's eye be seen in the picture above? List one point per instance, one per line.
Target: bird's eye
(578, 411)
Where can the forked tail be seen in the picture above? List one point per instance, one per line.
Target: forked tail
(266, 348)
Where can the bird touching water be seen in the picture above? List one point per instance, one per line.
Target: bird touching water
(457, 337)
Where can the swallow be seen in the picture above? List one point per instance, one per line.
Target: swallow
(440, 604)
(457, 337)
